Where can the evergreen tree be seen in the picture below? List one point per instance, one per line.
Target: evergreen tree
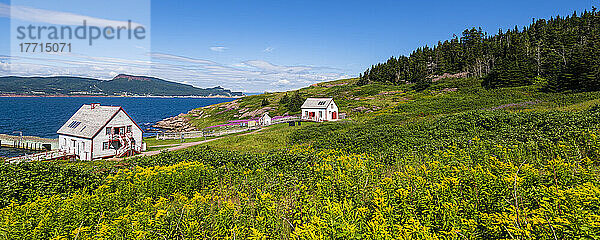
(284, 100)
(295, 102)
(562, 53)
(265, 102)
(362, 80)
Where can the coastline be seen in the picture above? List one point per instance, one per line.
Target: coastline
(46, 115)
(112, 96)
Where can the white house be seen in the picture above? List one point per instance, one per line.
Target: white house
(96, 131)
(320, 109)
(265, 120)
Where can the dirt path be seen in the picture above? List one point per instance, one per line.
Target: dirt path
(166, 145)
(190, 144)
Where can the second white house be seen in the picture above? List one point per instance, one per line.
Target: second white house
(320, 109)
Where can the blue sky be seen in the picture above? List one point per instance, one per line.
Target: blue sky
(257, 46)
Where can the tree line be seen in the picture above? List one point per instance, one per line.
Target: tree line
(559, 54)
(292, 103)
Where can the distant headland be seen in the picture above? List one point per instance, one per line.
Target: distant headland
(122, 85)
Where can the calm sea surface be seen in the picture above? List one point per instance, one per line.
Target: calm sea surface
(43, 116)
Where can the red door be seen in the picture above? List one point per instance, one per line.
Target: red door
(334, 115)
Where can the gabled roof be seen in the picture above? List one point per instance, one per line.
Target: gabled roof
(317, 102)
(88, 121)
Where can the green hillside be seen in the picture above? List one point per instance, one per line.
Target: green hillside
(353, 100)
(453, 161)
(445, 96)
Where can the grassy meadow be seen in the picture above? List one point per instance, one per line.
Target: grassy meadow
(454, 161)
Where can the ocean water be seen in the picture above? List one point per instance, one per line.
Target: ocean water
(43, 116)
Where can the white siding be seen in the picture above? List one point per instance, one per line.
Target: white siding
(88, 149)
(81, 147)
(321, 114)
(331, 109)
(265, 120)
(120, 120)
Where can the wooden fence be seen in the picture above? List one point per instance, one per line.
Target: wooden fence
(287, 119)
(199, 134)
(215, 133)
(43, 156)
(28, 142)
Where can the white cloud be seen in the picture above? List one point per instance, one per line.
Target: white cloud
(4, 10)
(218, 49)
(268, 67)
(30, 14)
(251, 76)
(171, 57)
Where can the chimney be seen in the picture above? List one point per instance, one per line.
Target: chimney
(94, 105)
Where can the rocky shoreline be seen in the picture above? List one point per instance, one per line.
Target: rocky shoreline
(181, 122)
(178, 123)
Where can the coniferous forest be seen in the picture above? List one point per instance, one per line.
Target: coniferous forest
(559, 54)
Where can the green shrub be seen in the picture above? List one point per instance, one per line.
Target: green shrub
(25, 181)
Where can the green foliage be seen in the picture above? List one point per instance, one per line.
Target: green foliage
(452, 160)
(25, 181)
(284, 100)
(265, 102)
(362, 80)
(388, 140)
(270, 138)
(293, 103)
(562, 50)
(480, 190)
(492, 174)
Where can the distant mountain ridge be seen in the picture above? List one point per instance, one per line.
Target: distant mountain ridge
(122, 84)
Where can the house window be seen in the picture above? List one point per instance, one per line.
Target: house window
(108, 131)
(320, 114)
(74, 124)
(129, 128)
(105, 146)
(115, 145)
